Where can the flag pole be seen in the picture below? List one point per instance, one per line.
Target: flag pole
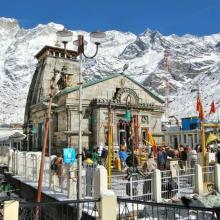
(217, 114)
(203, 143)
(199, 109)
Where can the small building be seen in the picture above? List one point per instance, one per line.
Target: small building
(188, 133)
(190, 123)
(112, 96)
(10, 138)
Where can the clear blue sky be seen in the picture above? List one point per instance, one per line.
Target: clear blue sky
(199, 17)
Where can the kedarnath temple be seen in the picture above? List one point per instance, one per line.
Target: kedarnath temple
(131, 109)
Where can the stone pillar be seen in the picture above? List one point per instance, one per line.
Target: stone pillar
(55, 182)
(198, 179)
(33, 171)
(38, 161)
(21, 163)
(25, 164)
(29, 163)
(156, 186)
(16, 162)
(100, 181)
(13, 162)
(72, 183)
(115, 132)
(108, 205)
(199, 156)
(10, 211)
(217, 177)
(10, 160)
(210, 158)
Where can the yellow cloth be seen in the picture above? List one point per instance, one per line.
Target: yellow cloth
(151, 140)
(88, 161)
(211, 138)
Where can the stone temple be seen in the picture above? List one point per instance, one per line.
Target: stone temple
(116, 102)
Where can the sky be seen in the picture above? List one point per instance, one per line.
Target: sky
(197, 17)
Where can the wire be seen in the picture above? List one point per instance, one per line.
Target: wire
(163, 73)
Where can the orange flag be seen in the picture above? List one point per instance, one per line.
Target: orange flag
(213, 108)
(199, 108)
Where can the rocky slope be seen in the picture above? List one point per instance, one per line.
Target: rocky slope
(193, 62)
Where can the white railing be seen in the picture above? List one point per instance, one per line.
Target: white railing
(186, 181)
(137, 187)
(208, 174)
(208, 178)
(88, 181)
(118, 184)
(174, 183)
(32, 167)
(169, 185)
(22, 164)
(178, 184)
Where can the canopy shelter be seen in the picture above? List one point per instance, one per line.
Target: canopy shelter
(204, 141)
(211, 137)
(17, 135)
(11, 138)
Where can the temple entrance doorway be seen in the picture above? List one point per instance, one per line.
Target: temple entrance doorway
(124, 133)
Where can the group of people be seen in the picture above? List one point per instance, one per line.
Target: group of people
(96, 156)
(186, 156)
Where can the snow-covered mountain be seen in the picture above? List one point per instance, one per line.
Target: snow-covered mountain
(192, 62)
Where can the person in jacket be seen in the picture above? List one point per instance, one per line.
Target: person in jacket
(148, 168)
(162, 158)
(123, 156)
(104, 155)
(184, 158)
(150, 165)
(88, 160)
(95, 156)
(193, 158)
(132, 174)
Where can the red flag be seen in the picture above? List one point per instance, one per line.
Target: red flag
(198, 104)
(199, 108)
(212, 109)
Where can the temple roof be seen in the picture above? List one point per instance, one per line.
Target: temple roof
(93, 82)
(46, 49)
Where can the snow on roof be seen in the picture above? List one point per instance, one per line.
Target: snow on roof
(7, 134)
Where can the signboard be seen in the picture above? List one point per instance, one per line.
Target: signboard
(69, 155)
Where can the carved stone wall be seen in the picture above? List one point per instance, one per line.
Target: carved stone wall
(96, 100)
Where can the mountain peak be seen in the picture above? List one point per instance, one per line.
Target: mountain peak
(8, 23)
(50, 25)
(149, 32)
(191, 59)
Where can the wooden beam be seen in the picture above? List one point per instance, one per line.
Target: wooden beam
(211, 125)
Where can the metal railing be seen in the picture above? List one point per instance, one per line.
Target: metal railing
(31, 167)
(174, 183)
(64, 210)
(137, 187)
(186, 181)
(177, 184)
(208, 178)
(88, 181)
(169, 185)
(22, 163)
(133, 209)
(1, 211)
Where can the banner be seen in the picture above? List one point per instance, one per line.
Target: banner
(69, 155)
